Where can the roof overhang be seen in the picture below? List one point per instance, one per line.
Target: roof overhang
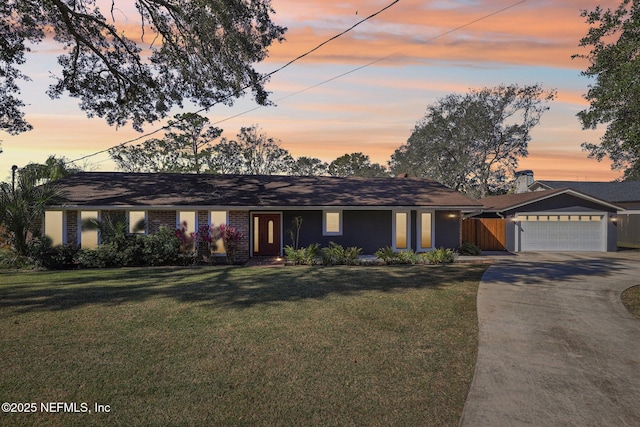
(546, 196)
(250, 208)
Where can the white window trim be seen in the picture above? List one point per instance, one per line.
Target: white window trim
(419, 231)
(408, 230)
(324, 222)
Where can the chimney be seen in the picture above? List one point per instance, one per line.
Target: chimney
(523, 180)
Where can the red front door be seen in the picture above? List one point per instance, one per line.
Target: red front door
(266, 234)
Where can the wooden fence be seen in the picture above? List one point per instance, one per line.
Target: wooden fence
(489, 234)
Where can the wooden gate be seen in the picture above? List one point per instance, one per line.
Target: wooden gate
(489, 234)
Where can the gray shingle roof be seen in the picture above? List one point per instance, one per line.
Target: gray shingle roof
(511, 201)
(164, 189)
(614, 192)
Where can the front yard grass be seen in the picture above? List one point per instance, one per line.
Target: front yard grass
(240, 346)
(631, 300)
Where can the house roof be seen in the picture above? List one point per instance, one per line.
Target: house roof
(615, 192)
(514, 201)
(115, 189)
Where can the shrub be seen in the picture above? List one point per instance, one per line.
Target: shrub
(336, 254)
(469, 249)
(43, 255)
(389, 256)
(11, 259)
(161, 248)
(101, 257)
(302, 256)
(440, 256)
(408, 257)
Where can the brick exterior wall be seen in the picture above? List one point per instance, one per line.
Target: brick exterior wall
(203, 218)
(156, 219)
(240, 220)
(72, 228)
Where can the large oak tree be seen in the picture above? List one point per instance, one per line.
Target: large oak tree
(202, 51)
(614, 39)
(473, 142)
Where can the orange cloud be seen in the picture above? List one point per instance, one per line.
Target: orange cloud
(527, 34)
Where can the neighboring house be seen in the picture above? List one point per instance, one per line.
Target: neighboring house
(371, 213)
(625, 194)
(552, 220)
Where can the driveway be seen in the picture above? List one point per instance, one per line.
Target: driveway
(556, 345)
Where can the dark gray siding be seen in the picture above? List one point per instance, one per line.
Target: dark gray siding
(447, 229)
(369, 230)
(562, 202)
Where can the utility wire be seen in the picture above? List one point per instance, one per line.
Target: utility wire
(317, 84)
(266, 76)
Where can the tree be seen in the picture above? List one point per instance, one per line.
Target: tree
(22, 209)
(614, 60)
(184, 148)
(225, 158)
(473, 142)
(254, 153)
(308, 166)
(52, 169)
(200, 51)
(356, 164)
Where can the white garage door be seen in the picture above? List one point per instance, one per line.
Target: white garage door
(562, 232)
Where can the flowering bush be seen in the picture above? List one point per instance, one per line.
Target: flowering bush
(231, 239)
(186, 239)
(206, 237)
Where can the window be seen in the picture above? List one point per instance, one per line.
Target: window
(216, 219)
(88, 229)
(425, 230)
(332, 223)
(270, 232)
(256, 234)
(401, 230)
(187, 222)
(54, 227)
(137, 222)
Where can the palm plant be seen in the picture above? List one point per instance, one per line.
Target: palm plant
(113, 228)
(22, 210)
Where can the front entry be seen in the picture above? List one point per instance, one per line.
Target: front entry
(266, 234)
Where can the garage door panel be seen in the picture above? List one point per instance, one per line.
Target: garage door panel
(546, 235)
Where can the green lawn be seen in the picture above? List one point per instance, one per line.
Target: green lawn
(241, 346)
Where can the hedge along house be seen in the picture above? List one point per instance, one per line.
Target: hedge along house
(554, 220)
(371, 213)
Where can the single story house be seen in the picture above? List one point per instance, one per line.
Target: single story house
(552, 220)
(371, 213)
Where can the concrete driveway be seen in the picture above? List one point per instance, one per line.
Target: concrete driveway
(556, 345)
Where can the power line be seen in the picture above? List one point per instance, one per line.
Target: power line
(266, 76)
(353, 70)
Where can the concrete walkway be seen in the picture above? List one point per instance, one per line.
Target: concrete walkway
(556, 345)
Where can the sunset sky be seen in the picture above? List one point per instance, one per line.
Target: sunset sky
(372, 109)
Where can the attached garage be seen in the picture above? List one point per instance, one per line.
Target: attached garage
(575, 232)
(558, 220)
